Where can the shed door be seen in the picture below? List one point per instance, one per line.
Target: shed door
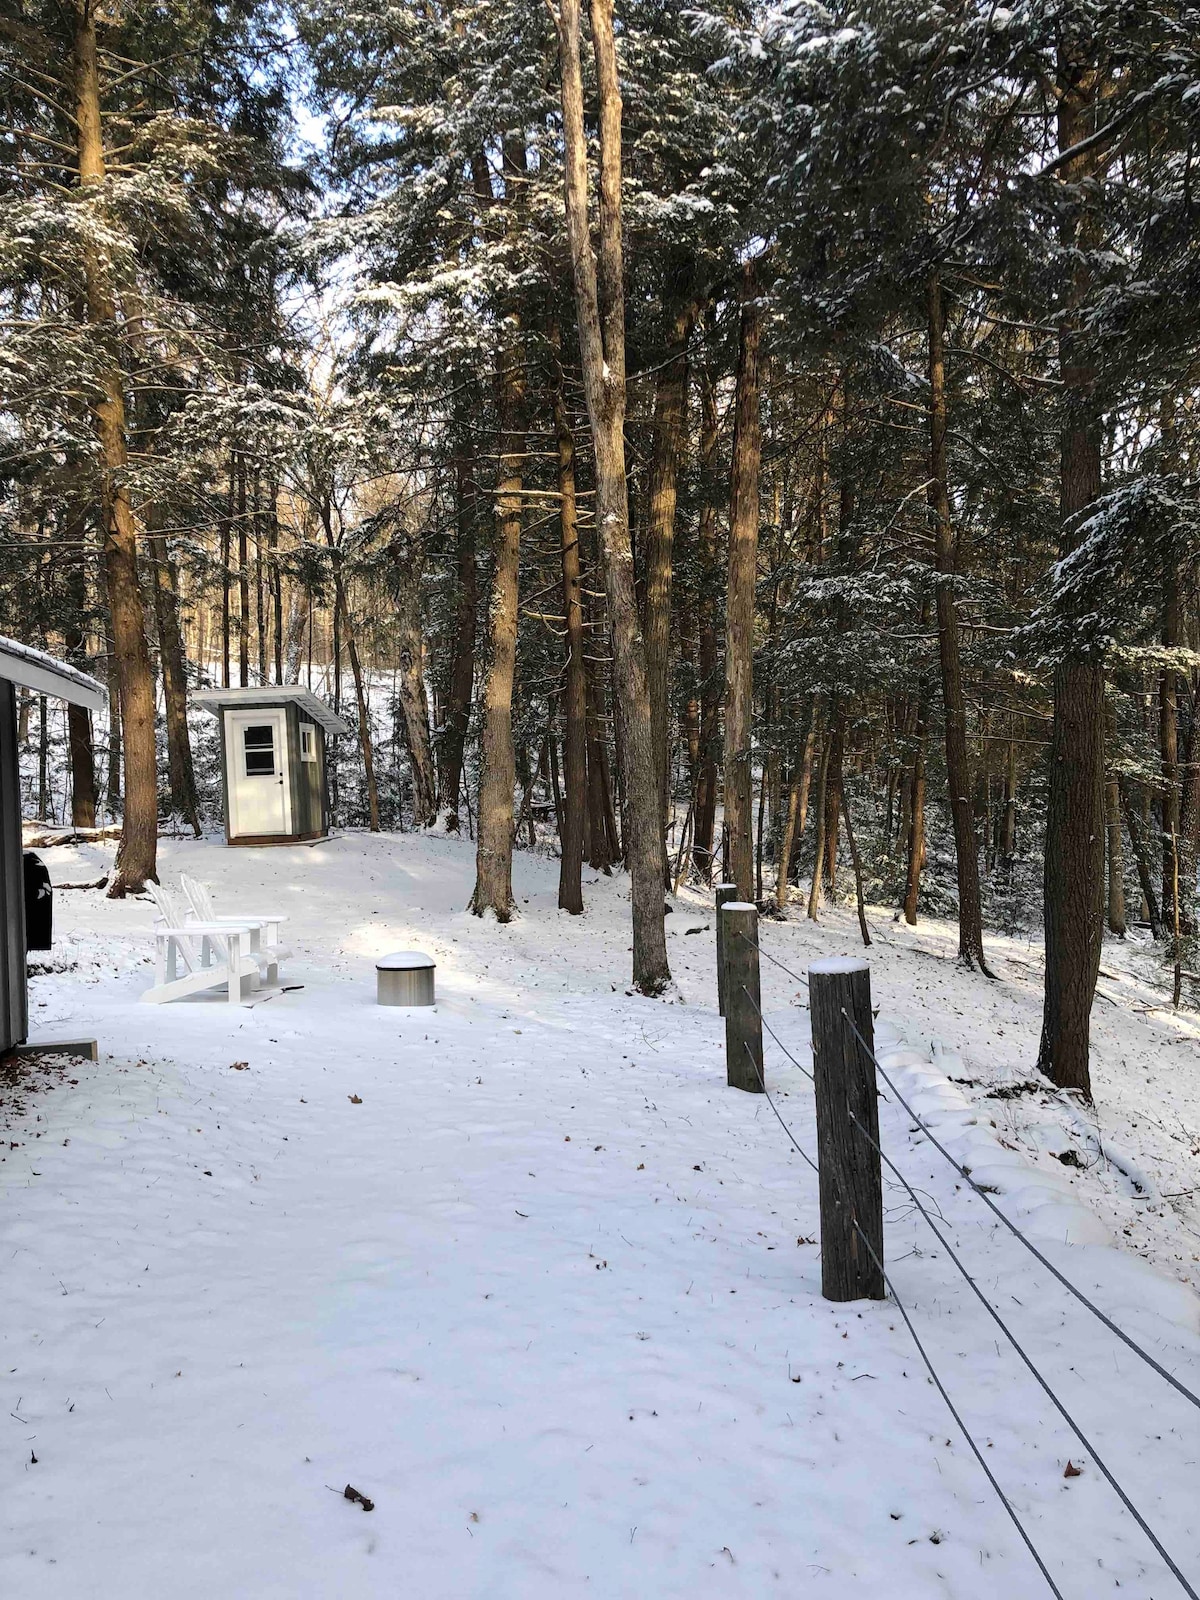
(257, 757)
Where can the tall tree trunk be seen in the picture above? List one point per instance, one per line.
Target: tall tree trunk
(494, 834)
(833, 805)
(225, 548)
(818, 871)
(170, 642)
(414, 701)
(1168, 736)
(600, 308)
(1189, 817)
(462, 674)
(341, 610)
(343, 630)
(570, 872)
(79, 718)
(710, 689)
(1075, 821)
(1116, 860)
(112, 781)
(260, 597)
(739, 603)
(1141, 856)
(274, 577)
(137, 852)
(958, 760)
(243, 542)
(1008, 823)
(670, 398)
(916, 821)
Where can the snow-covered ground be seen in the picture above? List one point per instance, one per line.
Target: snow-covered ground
(523, 1271)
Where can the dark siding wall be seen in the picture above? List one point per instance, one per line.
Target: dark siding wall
(14, 1012)
(318, 785)
(296, 784)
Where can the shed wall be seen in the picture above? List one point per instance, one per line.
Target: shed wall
(14, 1003)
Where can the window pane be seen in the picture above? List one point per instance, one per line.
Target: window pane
(258, 744)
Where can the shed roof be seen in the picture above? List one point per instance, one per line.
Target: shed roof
(271, 694)
(45, 674)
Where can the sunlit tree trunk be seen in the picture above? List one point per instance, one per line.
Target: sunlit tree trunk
(462, 674)
(739, 601)
(958, 760)
(1075, 819)
(600, 309)
(670, 397)
(497, 781)
(137, 852)
(574, 807)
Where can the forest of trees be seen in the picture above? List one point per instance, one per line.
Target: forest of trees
(752, 441)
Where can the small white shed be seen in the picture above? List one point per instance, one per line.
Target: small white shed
(276, 781)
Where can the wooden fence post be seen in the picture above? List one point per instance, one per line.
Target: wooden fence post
(850, 1183)
(743, 1021)
(725, 893)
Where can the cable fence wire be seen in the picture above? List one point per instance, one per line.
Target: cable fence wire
(921, 1350)
(961, 1171)
(1058, 1405)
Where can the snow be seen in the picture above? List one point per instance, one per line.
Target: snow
(405, 961)
(834, 966)
(522, 1269)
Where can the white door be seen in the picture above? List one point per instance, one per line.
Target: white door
(259, 791)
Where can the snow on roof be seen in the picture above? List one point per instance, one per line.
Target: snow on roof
(46, 674)
(272, 694)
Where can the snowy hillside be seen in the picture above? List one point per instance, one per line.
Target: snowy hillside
(527, 1275)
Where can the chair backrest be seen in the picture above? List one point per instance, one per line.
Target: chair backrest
(198, 898)
(163, 904)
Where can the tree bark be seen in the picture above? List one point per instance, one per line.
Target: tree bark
(494, 833)
(710, 689)
(462, 675)
(574, 807)
(79, 718)
(1141, 857)
(180, 775)
(600, 309)
(414, 701)
(670, 397)
(1116, 860)
(1075, 820)
(958, 759)
(343, 630)
(739, 603)
(814, 889)
(1168, 736)
(243, 546)
(916, 821)
(137, 852)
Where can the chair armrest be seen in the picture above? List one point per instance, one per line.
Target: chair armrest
(190, 929)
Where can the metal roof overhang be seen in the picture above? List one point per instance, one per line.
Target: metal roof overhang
(266, 694)
(34, 669)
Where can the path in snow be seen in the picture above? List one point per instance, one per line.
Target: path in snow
(526, 1273)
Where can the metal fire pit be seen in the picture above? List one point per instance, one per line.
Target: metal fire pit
(405, 979)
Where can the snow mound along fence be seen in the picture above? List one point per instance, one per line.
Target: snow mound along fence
(950, 1123)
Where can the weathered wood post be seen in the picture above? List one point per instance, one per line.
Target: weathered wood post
(850, 1184)
(725, 893)
(743, 1021)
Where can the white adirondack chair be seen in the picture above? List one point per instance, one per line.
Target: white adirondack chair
(211, 955)
(265, 943)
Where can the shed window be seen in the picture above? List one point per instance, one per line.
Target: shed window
(308, 742)
(258, 744)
